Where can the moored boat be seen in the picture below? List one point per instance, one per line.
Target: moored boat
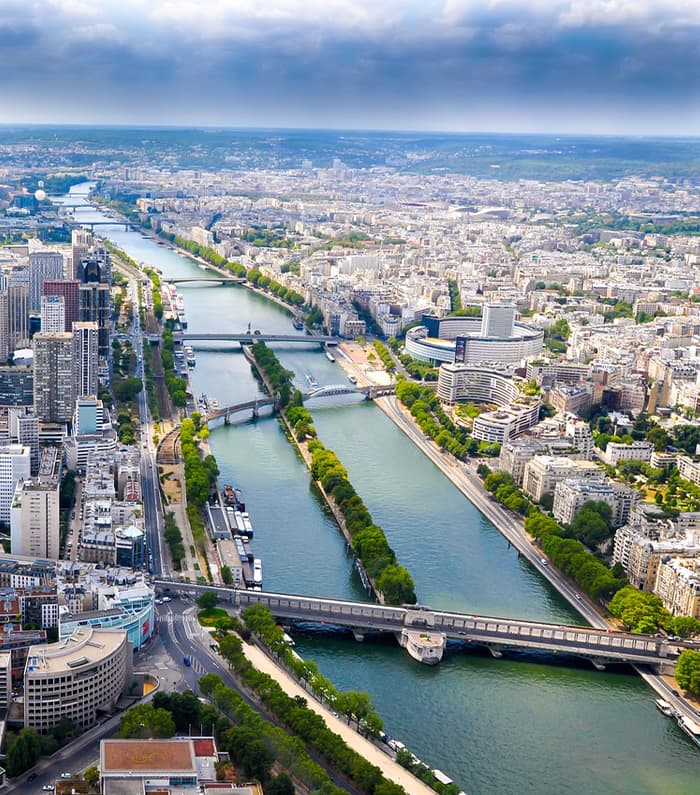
(664, 707)
(424, 646)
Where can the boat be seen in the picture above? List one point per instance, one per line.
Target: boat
(229, 495)
(189, 356)
(690, 727)
(257, 574)
(424, 646)
(352, 378)
(330, 356)
(238, 496)
(313, 383)
(298, 323)
(213, 404)
(664, 707)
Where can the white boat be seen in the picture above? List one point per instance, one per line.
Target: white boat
(352, 378)
(330, 356)
(664, 707)
(424, 646)
(257, 574)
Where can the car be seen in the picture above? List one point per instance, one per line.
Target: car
(187, 661)
(159, 601)
(167, 599)
(544, 561)
(32, 776)
(66, 775)
(48, 788)
(577, 596)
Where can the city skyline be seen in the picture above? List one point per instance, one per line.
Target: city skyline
(532, 66)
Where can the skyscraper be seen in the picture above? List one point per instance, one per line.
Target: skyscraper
(14, 312)
(53, 313)
(54, 376)
(497, 320)
(69, 290)
(94, 308)
(86, 358)
(81, 241)
(43, 265)
(34, 519)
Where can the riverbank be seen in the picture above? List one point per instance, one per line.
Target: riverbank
(465, 479)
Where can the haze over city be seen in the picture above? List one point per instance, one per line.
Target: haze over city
(591, 66)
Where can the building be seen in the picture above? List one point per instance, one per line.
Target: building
(34, 519)
(164, 766)
(86, 358)
(581, 437)
(15, 466)
(53, 313)
(543, 473)
(5, 680)
(94, 307)
(678, 586)
(515, 454)
(79, 678)
(497, 320)
(43, 265)
(68, 290)
(459, 340)
(54, 369)
(636, 451)
(16, 385)
(14, 312)
(571, 494)
(572, 399)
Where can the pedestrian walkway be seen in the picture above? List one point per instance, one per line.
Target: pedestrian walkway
(391, 769)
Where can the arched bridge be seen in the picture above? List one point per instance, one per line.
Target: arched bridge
(599, 646)
(190, 336)
(370, 392)
(207, 279)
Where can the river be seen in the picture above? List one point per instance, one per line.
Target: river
(496, 726)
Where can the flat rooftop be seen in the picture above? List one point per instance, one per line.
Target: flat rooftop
(147, 756)
(85, 646)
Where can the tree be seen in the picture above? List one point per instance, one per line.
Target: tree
(145, 721)
(23, 753)
(280, 785)
(207, 600)
(688, 671)
(396, 583)
(226, 575)
(92, 776)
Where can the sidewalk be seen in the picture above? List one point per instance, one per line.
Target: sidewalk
(364, 747)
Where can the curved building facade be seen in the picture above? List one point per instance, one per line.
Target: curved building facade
(471, 340)
(78, 678)
(515, 414)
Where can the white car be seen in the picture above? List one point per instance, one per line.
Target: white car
(66, 775)
(48, 788)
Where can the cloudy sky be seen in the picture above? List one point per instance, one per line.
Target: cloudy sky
(630, 66)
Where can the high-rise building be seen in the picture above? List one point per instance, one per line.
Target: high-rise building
(497, 320)
(96, 266)
(86, 358)
(43, 265)
(81, 241)
(14, 312)
(69, 291)
(14, 467)
(54, 376)
(94, 308)
(34, 520)
(53, 313)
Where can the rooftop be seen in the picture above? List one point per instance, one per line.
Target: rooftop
(147, 756)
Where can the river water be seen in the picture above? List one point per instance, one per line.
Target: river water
(526, 725)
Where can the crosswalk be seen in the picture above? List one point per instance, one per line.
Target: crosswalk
(191, 629)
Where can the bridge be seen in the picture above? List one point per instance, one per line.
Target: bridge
(369, 392)
(601, 647)
(73, 221)
(210, 279)
(190, 336)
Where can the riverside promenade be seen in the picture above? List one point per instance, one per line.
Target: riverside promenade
(390, 768)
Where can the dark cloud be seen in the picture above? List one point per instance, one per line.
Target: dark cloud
(514, 66)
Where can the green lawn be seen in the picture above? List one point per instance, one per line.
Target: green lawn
(208, 618)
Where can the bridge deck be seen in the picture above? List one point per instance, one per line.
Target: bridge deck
(489, 631)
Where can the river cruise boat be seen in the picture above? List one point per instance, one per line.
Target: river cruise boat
(330, 356)
(664, 707)
(424, 646)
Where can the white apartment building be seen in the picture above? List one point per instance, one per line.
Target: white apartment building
(53, 314)
(34, 519)
(543, 473)
(15, 465)
(678, 586)
(618, 451)
(571, 494)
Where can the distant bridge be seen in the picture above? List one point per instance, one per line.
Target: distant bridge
(601, 647)
(189, 336)
(73, 221)
(211, 279)
(253, 406)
